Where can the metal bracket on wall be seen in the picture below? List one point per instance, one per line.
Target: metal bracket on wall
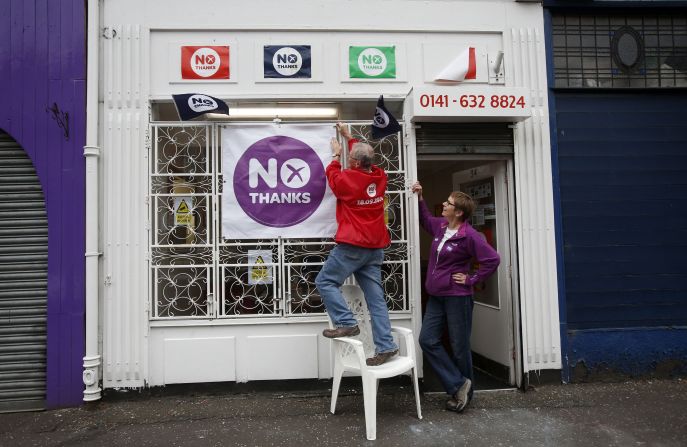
(496, 73)
(109, 33)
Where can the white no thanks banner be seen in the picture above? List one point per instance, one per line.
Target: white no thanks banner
(274, 181)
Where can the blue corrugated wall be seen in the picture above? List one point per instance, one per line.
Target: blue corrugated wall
(622, 174)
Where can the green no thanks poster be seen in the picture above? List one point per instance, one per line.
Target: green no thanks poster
(372, 62)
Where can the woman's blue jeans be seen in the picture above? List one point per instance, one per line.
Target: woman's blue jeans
(454, 312)
(366, 264)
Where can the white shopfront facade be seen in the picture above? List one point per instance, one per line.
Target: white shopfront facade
(179, 303)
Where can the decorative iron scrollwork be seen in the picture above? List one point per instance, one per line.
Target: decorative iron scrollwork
(198, 274)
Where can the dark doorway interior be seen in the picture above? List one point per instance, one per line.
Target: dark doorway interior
(436, 176)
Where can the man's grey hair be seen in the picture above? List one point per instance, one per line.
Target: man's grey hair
(364, 153)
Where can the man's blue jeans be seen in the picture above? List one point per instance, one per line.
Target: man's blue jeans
(366, 264)
(456, 313)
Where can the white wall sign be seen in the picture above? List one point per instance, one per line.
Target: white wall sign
(274, 181)
(486, 103)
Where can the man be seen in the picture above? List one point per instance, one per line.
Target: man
(361, 237)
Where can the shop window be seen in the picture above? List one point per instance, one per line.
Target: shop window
(619, 51)
(195, 273)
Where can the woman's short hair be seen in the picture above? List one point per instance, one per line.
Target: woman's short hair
(464, 203)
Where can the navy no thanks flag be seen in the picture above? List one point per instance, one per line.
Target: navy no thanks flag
(193, 105)
(287, 61)
(383, 123)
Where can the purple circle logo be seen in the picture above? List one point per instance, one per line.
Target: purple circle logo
(279, 181)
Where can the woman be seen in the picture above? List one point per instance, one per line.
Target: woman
(449, 284)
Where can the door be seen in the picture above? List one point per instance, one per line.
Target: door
(492, 328)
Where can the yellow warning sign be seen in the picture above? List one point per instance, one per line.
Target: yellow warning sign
(259, 271)
(182, 211)
(260, 267)
(183, 208)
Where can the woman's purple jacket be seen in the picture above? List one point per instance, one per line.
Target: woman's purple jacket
(456, 256)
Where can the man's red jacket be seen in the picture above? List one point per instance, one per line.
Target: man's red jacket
(359, 205)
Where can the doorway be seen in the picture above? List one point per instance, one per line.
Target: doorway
(488, 179)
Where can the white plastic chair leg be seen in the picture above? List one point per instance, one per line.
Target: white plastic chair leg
(338, 372)
(417, 392)
(370, 400)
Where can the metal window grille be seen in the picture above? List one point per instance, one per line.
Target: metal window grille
(196, 274)
(589, 51)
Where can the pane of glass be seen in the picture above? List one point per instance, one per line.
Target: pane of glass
(665, 21)
(605, 82)
(664, 82)
(182, 220)
(558, 41)
(560, 62)
(650, 22)
(634, 21)
(575, 82)
(304, 297)
(650, 40)
(654, 82)
(394, 283)
(249, 290)
(589, 41)
(589, 63)
(182, 292)
(573, 41)
(182, 150)
(603, 40)
(587, 20)
(574, 63)
(604, 64)
(572, 20)
(393, 215)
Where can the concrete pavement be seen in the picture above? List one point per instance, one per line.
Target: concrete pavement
(636, 413)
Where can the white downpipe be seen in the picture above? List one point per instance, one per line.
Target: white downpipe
(91, 361)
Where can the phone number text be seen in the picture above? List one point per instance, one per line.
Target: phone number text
(474, 101)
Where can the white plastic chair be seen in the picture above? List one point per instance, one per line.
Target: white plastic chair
(350, 354)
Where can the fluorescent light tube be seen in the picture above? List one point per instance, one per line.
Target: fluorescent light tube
(283, 112)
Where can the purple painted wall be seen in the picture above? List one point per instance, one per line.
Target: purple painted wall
(43, 62)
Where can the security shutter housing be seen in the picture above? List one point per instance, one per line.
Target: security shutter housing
(464, 138)
(23, 281)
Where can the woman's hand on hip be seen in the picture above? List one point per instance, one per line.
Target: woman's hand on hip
(459, 278)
